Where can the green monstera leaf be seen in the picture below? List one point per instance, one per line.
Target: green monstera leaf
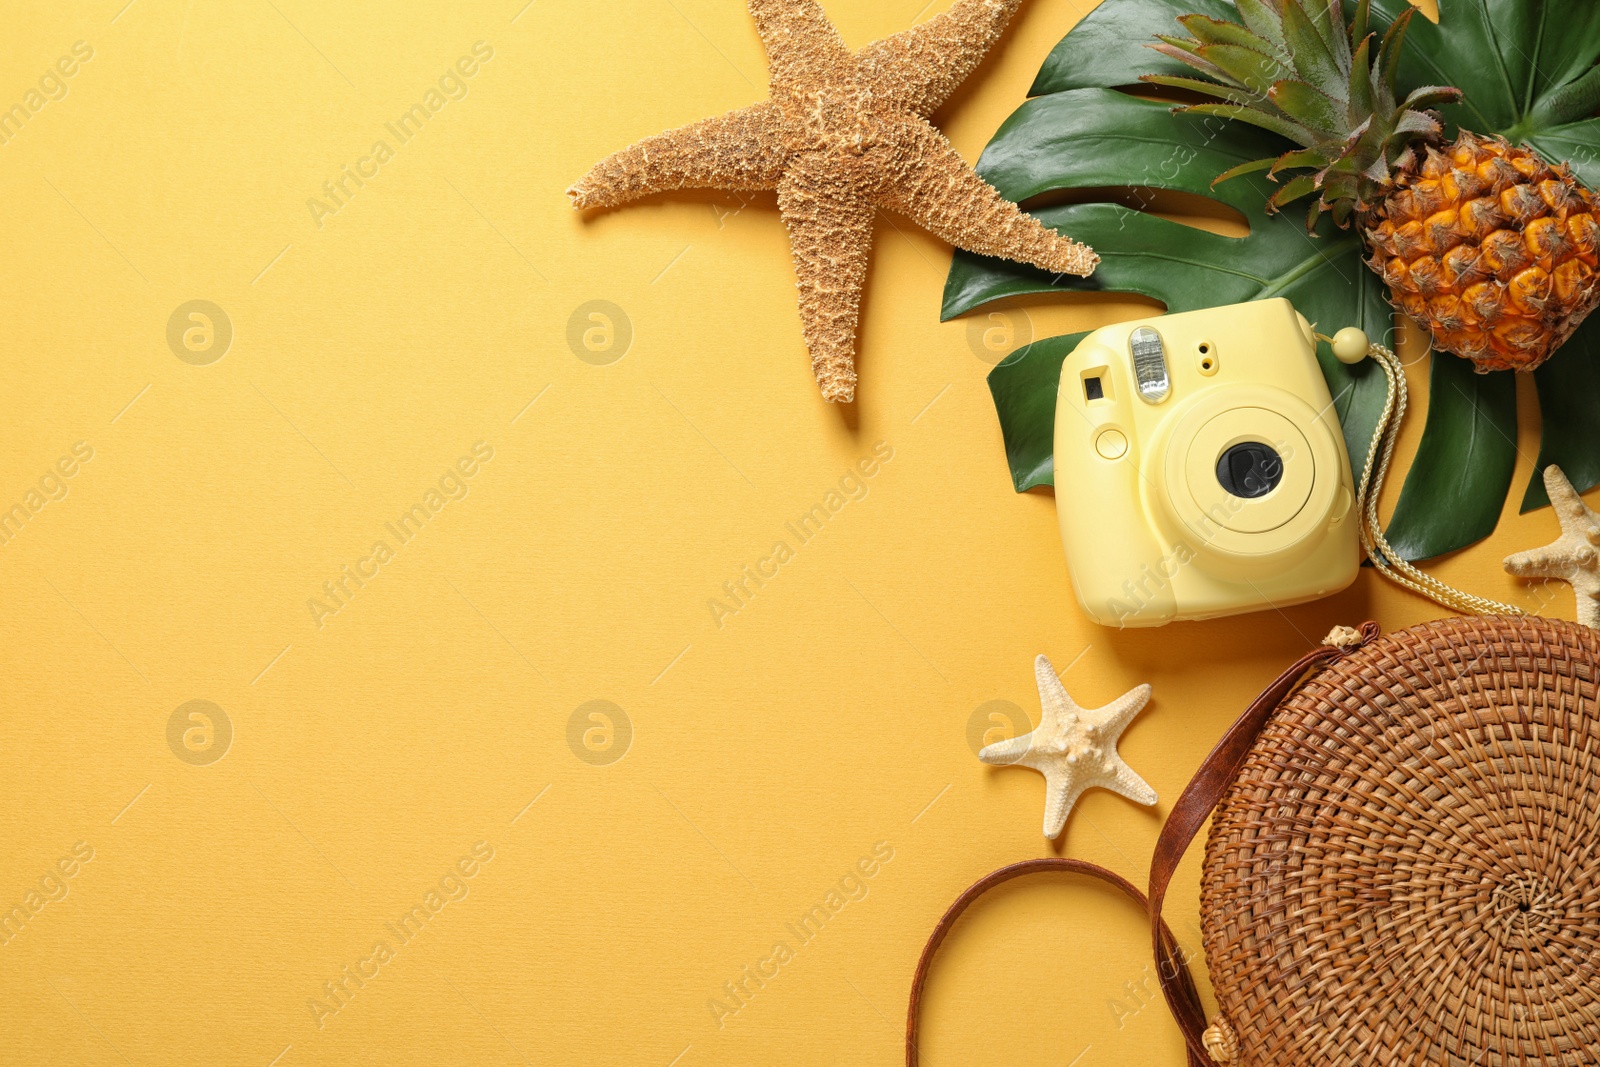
(1528, 68)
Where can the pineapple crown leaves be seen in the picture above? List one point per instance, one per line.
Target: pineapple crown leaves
(1294, 68)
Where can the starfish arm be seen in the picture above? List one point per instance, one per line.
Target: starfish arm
(740, 150)
(1120, 712)
(1005, 753)
(1573, 514)
(919, 68)
(1550, 561)
(1129, 784)
(940, 193)
(1588, 607)
(830, 237)
(801, 43)
(1061, 794)
(1054, 701)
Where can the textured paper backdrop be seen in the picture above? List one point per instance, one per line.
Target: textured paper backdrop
(351, 766)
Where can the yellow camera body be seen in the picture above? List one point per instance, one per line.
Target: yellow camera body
(1200, 468)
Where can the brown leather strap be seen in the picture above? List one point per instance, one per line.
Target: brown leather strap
(1213, 778)
(1216, 773)
(1182, 981)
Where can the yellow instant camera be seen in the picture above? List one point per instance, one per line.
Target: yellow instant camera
(1200, 469)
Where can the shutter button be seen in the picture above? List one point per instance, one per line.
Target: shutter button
(1111, 444)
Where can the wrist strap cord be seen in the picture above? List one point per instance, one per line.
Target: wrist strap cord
(1377, 547)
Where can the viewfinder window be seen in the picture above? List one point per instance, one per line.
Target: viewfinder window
(1093, 389)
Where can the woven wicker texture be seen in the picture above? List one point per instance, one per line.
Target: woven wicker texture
(1405, 870)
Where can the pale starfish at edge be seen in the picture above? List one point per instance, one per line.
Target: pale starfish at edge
(1574, 557)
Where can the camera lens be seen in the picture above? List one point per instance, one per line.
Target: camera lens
(1250, 469)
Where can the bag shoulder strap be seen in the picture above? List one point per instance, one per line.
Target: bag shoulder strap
(1205, 791)
(1183, 824)
(1183, 981)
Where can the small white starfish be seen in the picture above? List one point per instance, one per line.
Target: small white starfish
(1075, 748)
(1574, 557)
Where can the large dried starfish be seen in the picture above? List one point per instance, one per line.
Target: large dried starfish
(1574, 557)
(843, 135)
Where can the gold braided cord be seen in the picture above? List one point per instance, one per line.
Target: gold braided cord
(1377, 547)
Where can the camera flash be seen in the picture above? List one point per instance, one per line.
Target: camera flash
(1149, 364)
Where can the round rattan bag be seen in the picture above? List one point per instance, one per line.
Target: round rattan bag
(1402, 867)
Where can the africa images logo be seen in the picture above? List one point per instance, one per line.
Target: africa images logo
(51, 487)
(452, 485)
(54, 885)
(852, 887)
(338, 992)
(853, 485)
(52, 86)
(452, 85)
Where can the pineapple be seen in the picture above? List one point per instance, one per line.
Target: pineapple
(1487, 245)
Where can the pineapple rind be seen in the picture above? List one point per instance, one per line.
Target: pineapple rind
(1491, 249)
(1484, 243)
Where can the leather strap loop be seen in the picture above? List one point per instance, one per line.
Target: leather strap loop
(1216, 773)
(1181, 980)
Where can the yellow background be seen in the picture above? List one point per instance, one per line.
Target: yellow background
(368, 755)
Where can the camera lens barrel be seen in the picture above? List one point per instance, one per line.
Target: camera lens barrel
(1250, 469)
